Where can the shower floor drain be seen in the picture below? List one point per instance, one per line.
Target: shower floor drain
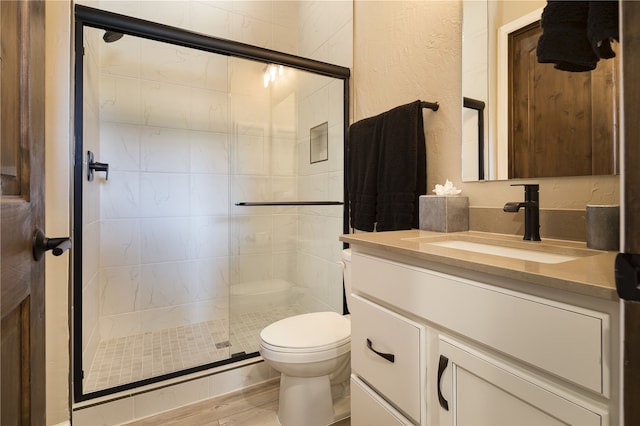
(222, 345)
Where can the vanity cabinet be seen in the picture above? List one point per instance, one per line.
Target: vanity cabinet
(472, 352)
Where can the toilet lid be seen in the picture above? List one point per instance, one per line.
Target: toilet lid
(314, 330)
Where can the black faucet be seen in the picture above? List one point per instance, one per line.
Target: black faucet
(531, 206)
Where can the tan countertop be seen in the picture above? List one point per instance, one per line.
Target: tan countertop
(591, 273)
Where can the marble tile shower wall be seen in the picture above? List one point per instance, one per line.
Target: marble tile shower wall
(164, 210)
(319, 250)
(325, 34)
(91, 197)
(263, 169)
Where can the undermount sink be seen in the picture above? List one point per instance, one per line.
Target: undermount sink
(505, 248)
(514, 253)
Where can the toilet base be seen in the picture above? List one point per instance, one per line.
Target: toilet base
(305, 401)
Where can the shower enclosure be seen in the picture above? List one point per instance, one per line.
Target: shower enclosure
(208, 198)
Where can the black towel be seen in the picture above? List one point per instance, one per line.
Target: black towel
(362, 172)
(576, 34)
(387, 169)
(564, 39)
(402, 168)
(602, 27)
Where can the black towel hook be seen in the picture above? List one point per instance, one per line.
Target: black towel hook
(430, 105)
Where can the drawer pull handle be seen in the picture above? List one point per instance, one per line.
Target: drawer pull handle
(442, 365)
(388, 357)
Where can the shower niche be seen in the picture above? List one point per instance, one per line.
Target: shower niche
(213, 222)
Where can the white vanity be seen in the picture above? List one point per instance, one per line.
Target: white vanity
(446, 336)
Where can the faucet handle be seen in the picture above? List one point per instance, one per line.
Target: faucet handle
(527, 185)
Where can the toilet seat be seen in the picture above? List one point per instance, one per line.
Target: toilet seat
(307, 338)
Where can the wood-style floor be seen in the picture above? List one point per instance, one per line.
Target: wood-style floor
(253, 406)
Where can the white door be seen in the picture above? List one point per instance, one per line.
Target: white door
(476, 389)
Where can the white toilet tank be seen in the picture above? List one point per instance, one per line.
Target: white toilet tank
(346, 267)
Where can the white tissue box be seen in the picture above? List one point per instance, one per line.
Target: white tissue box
(444, 213)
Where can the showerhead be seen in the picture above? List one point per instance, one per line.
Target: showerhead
(111, 36)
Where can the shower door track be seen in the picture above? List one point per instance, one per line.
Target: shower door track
(109, 21)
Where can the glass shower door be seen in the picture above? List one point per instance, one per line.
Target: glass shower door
(156, 222)
(208, 201)
(287, 180)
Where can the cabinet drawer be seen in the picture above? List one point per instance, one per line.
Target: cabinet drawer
(565, 340)
(368, 409)
(386, 353)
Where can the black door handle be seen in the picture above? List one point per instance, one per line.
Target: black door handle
(442, 365)
(388, 357)
(41, 244)
(94, 166)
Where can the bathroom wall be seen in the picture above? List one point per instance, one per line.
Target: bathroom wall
(319, 249)
(91, 231)
(325, 34)
(405, 50)
(58, 171)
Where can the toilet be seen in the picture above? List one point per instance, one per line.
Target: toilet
(311, 352)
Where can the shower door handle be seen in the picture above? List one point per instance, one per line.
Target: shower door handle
(95, 166)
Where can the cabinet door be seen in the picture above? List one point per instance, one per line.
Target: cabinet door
(476, 389)
(369, 409)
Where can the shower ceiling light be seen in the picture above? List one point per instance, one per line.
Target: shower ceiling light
(271, 71)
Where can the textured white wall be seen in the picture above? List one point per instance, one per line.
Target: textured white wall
(405, 50)
(408, 50)
(57, 154)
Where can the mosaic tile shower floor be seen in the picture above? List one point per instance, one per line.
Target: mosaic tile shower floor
(138, 357)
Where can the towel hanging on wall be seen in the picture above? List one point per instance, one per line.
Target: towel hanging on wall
(386, 169)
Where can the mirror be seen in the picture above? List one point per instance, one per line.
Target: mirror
(507, 132)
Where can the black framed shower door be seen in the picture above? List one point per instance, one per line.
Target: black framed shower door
(88, 169)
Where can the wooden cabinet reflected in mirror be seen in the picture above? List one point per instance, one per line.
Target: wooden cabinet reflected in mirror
(560, 123)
